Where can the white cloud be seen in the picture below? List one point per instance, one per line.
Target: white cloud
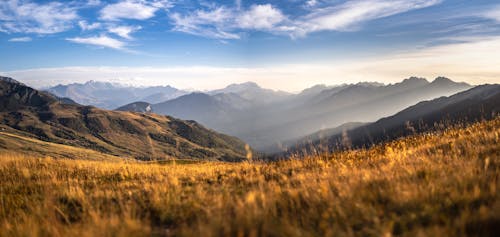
(311, 3)
(93, 3)
(124, 31)
(84, 25)
(102, 40)
(212, 24)
(227, 23)
(20, 16)
(347, 16)
(493, 13)
(21, 39)
(260, 17)
(133, 9)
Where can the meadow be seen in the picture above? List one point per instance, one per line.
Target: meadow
(435, 184)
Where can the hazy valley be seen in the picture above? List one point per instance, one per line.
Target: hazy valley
(265, 118)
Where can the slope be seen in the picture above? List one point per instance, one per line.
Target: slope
(478, 103)
(440, 184)
(39, 115)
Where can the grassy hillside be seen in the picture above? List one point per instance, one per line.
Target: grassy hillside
(26, 112)
(12, 143)
(438, 184)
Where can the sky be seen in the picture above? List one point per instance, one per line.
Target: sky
(283, 44)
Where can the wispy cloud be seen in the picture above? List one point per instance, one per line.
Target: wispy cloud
(493, 13)
(225, 23)
(93, 3)
(348, 16)
(133, 9)
(124, 31)
(215, 23)
(311, 3)
(84, 25)
(261, 17)
(18, 16)
(103, 41)
(21, 39)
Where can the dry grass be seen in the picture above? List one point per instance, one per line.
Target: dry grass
(444, 184)
(11, 143)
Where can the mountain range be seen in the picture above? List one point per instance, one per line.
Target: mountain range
(476, 104)
(41, 116)
(265, 118)
(108, 95)
(332, 117)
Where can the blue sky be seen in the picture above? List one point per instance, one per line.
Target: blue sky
(203, 44)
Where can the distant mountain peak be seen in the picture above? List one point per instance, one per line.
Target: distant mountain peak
(102, 84)
(196, 94)
(243, 86)
(448, 82)
(443, 80)
(412, 82)
(369, 84)
(10, 80)
(314, 89)
(250, 83)
(415, 79)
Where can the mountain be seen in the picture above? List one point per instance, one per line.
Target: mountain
(39, 115)
(478, 103)
(197, 106)
(252, 92)
(140, 107)
(109, 95)
(333, 107)
(317, 138)
(314, 90)
(266, 118)
(217, 111)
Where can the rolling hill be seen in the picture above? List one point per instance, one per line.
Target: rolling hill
(30, 113)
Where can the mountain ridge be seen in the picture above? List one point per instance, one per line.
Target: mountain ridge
(109, 95)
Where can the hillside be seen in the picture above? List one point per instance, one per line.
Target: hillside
(439, 184)
(30, 113)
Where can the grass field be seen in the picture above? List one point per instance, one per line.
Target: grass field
(440, 184)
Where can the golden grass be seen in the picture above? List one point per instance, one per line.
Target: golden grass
(11, 143)
(443, 184)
